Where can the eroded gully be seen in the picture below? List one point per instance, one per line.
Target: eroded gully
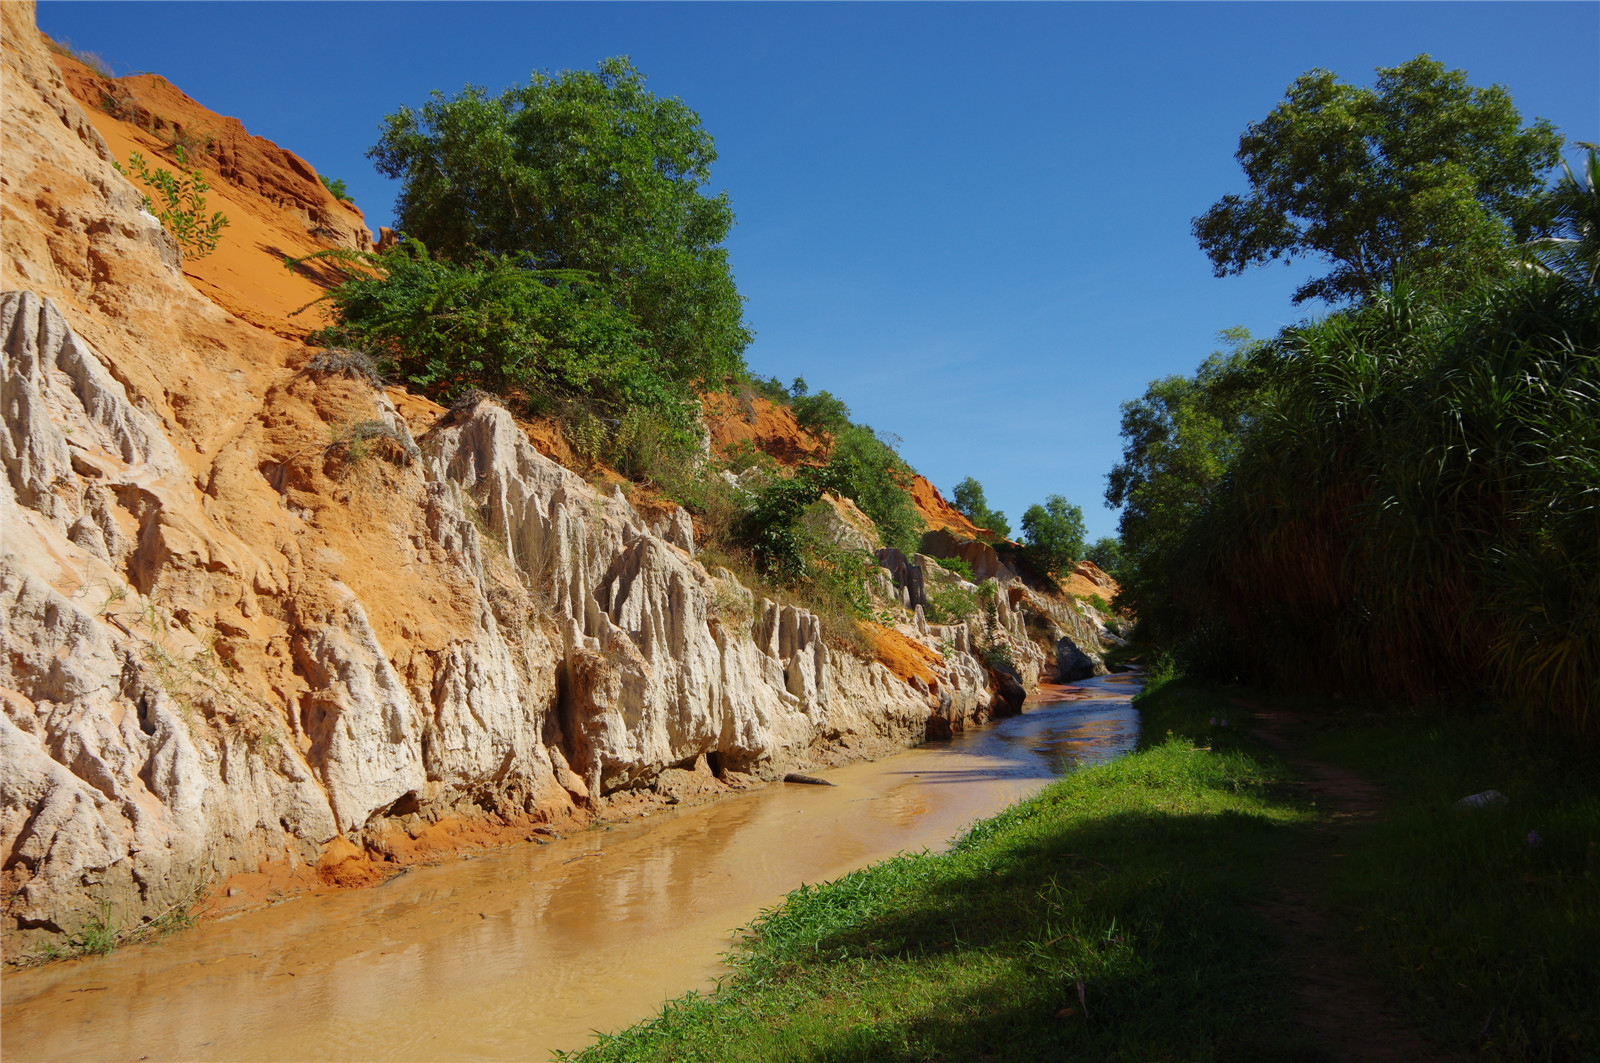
(526, 950)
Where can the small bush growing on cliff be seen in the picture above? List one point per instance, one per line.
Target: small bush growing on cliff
(960, 566)
(336, 188)
(183, 202)
(951, 605)
(821, 414)
(869, 472)
(93, 60)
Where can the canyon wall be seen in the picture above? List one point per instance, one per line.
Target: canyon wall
(254, 614)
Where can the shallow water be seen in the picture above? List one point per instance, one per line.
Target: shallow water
(522, 951)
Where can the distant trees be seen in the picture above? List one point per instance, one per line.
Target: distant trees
(1106, 553)
(969, 500)
(1178, 441)
(1053, 533)
(1423, 175)
(822, 414)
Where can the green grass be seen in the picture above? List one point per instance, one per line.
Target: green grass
(1107, 918)
(1113, 916)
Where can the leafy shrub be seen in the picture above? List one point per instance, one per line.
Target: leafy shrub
(960, 566)
(821, 414)
(745, 455)
(769, 388)
(951, 605)
(970, 501)
(336, 188)
(771, 526)
(542, 340)
(868, 471)
(183, 202)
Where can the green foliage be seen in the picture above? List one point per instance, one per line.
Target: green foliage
(98, 935)
(769, 388)
(183, 202)
(1415, 508)
(584, 171)
(821, 414)
(960, 566)
(1106, 553)
(968, 498)
(1054, 533)
(541, 339)
(1573, 211)
(951, 604)
(336, 188)
(1421, 175)
(868, 471)
(1178, 441)
(771, 526)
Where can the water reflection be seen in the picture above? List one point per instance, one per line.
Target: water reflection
(522, 951)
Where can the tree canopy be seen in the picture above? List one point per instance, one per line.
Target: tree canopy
(1054, 532)
(970, 501)
(584, 171)
(1421, 174)
(1178, 441)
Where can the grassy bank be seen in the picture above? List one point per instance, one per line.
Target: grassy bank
(1124, 913)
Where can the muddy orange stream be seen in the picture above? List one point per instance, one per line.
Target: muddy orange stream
(527, 950)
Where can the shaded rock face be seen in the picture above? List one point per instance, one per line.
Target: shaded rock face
(909, 585)
(1074, 663)
(985, 562)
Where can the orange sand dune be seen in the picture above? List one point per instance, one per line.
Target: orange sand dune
(275, 203)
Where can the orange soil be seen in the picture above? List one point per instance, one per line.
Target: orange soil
(940, 514)
(763, 424)
(275, 204)
(905, 657)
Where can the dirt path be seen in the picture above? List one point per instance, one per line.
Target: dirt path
(1341, 1010)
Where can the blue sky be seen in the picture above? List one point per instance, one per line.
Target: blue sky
(970, 222)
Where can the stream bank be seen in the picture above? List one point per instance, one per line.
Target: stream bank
(524, 951)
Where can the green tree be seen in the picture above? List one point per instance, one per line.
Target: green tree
(867, 470)
(584, 171)
(1106, 553)
(1177, 442)
(821, 414)
(968, 498)
(1573, 247)
(1054, 532)
(1421, 174)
